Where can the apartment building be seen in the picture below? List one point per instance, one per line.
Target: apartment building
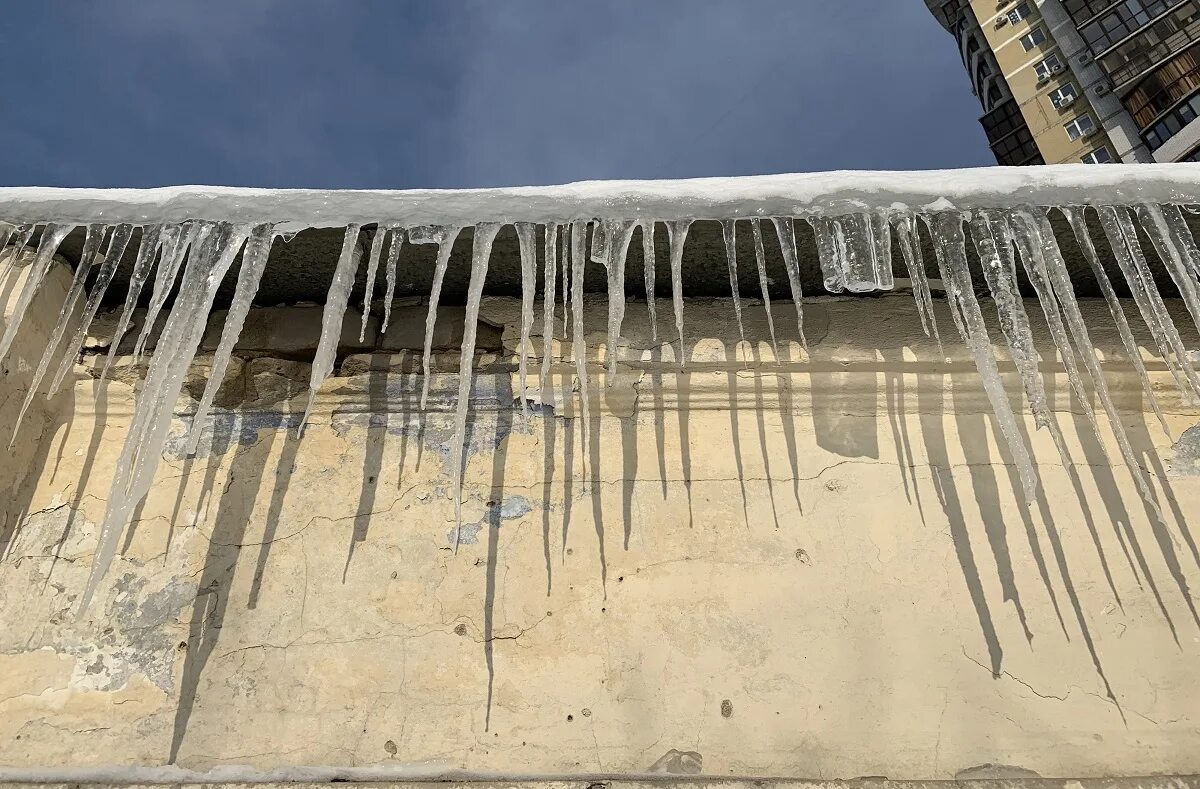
(1091, 81)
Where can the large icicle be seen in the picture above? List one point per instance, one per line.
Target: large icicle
(548, 298)
(791, 261)
(177, 241)
(910, 248)
(527, 239)
(95, 233)
(564, 258)
(764, 283)
(618, 236)
(676, 236)
(1078, 223)
(481, 251)
(1047, 258)
(1009, 233)
(142, 451)
(52, 236)
(393, 258)
(648, 274)
(147, 252)
(578, 339)
(254, 261)
(444, 237)
(1155, 225)
(117, 243)
(372, 265)
(1127, 251)
(336, 300)
(949, 243)
(729, 235)
(1000, 270)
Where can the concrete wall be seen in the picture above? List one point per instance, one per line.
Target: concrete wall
(812, 567)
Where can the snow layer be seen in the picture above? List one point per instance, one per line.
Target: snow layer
(802, 194)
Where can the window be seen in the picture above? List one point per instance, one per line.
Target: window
(1098, 156)
(1020, 12)
(1064, 95)
(1152, 44)
(1033, 38)
(1122, 21)
(994, 96)
(1083, 10)
(1017, 149)
(1080, 127)
(1173, 122)
(1049, 67)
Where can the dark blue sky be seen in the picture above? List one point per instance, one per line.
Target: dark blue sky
(453, 93)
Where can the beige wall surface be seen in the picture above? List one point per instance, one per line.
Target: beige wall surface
(818, 567)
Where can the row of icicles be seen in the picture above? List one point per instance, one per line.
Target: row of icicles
(190, 259)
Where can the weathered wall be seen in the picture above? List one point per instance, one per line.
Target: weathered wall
(817, 568)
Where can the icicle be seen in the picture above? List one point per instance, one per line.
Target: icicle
(117, 243)
(1000, 271)
(526, 238)
(1037, 227)
(648, 274)
(369, 291)
(548, 297)
(1009, 233)
(729, 234)
(481, 251)
(444, 237)
(1155, 225)
(601, 241)
(881, 250)
(95, 233)
(147, 251)
(6, 232)
(1084, 239)
(142, 451)
(336, 300)
(950, 245)
(564, 258)
(787, 243)
(578, 340)
(52, 236)
(1127, 251)
(254, 260)
(910, 247)
(618, 235)
(10, 254)
(760, 258)
(176, 242)
(828, 254)
(676, 236)
(393, 258)
(1181, 235)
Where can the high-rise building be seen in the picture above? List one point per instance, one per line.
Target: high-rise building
(1082, 80)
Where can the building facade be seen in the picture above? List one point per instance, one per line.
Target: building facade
(1091, 81)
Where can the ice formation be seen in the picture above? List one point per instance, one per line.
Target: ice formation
(189, 238)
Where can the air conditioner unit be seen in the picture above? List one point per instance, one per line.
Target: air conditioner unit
(1085, 59)
(1065, 101)
(1001, 21)
(1057, 68)
(1101, 89)
(1043, 79)
(1092, 132)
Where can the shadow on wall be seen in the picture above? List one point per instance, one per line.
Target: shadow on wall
(940, 428)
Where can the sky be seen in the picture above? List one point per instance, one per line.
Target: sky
(401, 94)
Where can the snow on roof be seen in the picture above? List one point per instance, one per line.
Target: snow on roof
(830, 193)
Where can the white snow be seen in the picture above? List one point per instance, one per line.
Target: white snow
(802, 194)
